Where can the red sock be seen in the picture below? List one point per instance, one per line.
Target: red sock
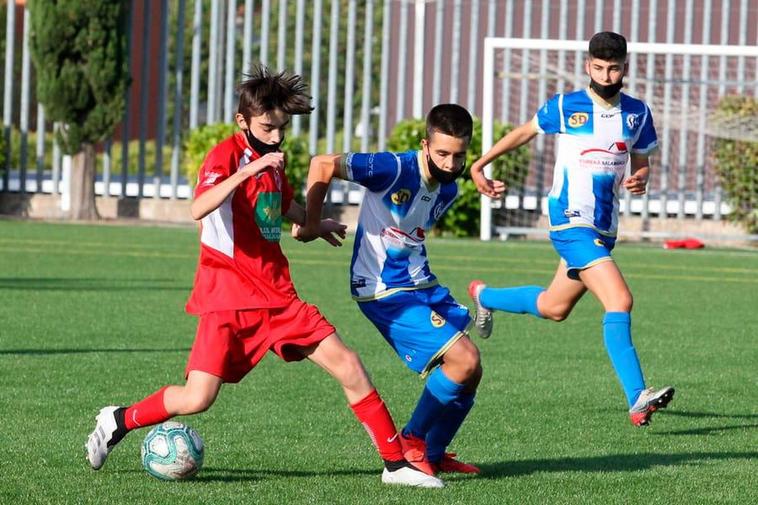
(147, 412)
(375, 417)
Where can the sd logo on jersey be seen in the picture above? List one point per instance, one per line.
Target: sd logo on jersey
(437, 320)
(400, 196)
(578, 119)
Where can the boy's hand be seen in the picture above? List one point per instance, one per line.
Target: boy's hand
(270, 160)
(636, 184)
(487, 187)
(330, 230)
(303, 233)
(333, 232)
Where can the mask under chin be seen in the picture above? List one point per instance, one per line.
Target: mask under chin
(606, 91)
(261, 147)
(443, 176)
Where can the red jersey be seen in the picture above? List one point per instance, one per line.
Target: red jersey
(241, 264)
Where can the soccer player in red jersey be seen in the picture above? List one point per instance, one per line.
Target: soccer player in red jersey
(243, 293)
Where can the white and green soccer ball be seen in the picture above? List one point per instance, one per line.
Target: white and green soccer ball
(172, 451)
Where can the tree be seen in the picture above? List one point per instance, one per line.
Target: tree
(79, 52)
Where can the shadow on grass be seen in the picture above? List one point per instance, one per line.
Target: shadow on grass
(89, 284)
(709, 430)
(83, 351)
(211, 474)
(721, 415)
(609, 463)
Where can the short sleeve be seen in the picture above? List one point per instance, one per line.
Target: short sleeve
(548, 118)
(374, 171)
(647, 141)
(214, 170)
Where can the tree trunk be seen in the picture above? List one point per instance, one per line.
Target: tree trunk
(83, 184)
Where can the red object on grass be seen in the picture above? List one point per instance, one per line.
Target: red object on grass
(688, 243)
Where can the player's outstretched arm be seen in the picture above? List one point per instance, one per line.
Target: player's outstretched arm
(330, 230)
(210, 200)
(323, 168)
(513, 140)
(636, 183)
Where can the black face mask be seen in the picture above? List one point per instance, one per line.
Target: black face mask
(443, 176)
(606, 91)
(261, 147)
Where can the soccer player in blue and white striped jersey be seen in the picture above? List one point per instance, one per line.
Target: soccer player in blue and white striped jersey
(599, 129)
(392, 281)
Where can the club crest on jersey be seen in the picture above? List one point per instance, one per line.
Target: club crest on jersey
(401, 196)
(437, 320)
(632, 121)
(578, 119)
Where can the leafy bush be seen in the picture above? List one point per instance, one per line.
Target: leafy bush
(201, 140)
(462, 219)
(737, 158)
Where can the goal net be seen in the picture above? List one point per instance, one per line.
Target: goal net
(686, 87)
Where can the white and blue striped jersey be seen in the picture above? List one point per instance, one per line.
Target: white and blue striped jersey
(400, 205)
(593, 148)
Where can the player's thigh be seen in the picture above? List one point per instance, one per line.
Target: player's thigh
(419, 335)
(606, 282)
(559, 299)
(334, 356)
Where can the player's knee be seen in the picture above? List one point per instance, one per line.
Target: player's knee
(622, 302)
(556, 313)
(469, 362)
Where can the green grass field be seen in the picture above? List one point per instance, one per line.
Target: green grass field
(93, 315)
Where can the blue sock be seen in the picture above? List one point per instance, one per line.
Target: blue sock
(618, 341)
(443, 431)
(520, 300)
(437, 394)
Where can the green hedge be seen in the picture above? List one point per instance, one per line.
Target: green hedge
(2, 151)
(201, 140)
(737, 158)
(462, 219)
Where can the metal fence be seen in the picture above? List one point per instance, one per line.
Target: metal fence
(369, 64)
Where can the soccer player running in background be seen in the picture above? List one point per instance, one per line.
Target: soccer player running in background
(243, 292)
(391, 279)
(599, 128)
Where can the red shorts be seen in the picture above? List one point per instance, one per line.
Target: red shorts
(230, 343)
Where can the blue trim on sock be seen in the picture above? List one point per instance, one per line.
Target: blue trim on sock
(444, 389)
(518, 300)
(617, 336)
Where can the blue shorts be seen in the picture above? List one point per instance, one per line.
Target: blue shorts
(581, 248)
(420, 325)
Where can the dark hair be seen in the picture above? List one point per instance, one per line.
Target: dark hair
(262, 91)
(450, 119)
(608, 46)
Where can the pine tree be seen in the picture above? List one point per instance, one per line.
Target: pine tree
(79, 52)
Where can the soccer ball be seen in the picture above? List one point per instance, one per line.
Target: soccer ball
(172, 451)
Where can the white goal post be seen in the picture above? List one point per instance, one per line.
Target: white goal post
(681, 99)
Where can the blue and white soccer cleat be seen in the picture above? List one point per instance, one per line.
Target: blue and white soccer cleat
(100, 442)
(648, 402)
(482, 316)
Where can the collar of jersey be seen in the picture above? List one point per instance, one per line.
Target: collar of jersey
(602, 103)
(430, 183)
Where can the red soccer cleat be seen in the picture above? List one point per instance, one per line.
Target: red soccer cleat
(448, 464)
(414, 451)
